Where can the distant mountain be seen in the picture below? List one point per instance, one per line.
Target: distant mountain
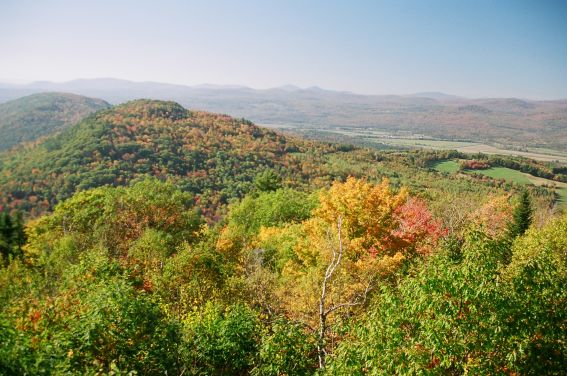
(288, 88)
(502, 121)
(436, 95)
(31, 117)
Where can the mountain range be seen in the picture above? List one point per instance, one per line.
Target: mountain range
(503, 121)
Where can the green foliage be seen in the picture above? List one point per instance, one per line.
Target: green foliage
(194, 275)
(116, 217)
(268, 180)
(220, 341)
(271, 209)
(89, 321)
(475, 314)
(118, 326)
(535, 281)
(286, 350)
(12, 236)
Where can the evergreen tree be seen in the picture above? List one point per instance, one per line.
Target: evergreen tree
(11, 235)
(268, 180)
(523, 215)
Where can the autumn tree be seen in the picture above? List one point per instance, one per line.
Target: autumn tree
(359, 234)
(479, 314)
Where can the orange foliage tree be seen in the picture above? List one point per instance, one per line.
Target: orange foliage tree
(358, 235)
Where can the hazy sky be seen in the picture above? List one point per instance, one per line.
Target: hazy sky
(471, 48)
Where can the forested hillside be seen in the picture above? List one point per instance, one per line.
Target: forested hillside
(213, 156)
(359, 278)
(31, 117)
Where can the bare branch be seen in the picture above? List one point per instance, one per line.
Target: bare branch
(335, 261)
(356, 302)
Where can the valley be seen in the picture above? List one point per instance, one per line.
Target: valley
(383, 139)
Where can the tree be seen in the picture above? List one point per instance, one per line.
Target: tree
(479, 314)
(286, 349)
(12, 236)
(268, 180)
(359, 235)
(220, 341)
(324, 309)
(522, 216)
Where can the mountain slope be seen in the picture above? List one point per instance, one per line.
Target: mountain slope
(37, 115)
(211, 155)
(505, 121)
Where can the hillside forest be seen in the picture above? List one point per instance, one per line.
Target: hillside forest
(150, 239)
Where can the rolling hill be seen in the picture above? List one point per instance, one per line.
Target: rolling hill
(211, 155)
(502, 121)
(215, 157)
(31, 117)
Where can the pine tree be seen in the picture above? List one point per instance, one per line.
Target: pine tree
(267, 181)
(523, 215)
(11, 235)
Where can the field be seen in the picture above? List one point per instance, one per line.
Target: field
(537, 154)
(378, 137)
(449, 166)
(504, 173)
(471, 147)
(518, 177)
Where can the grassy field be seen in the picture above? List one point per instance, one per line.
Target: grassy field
(518, 177)
(449, 166)
(504, 173)
(562, 195)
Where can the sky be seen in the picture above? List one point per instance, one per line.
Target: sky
(480, 48)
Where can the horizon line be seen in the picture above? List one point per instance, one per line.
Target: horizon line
(421, 93)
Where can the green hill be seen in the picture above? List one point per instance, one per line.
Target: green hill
(213, 156)
(37, 115)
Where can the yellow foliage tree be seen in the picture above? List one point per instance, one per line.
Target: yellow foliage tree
(342, 252)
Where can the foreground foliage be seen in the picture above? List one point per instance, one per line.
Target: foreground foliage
(359, 278)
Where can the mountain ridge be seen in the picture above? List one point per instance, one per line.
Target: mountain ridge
(215, 157)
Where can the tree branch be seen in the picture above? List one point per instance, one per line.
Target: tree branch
(356, 302)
